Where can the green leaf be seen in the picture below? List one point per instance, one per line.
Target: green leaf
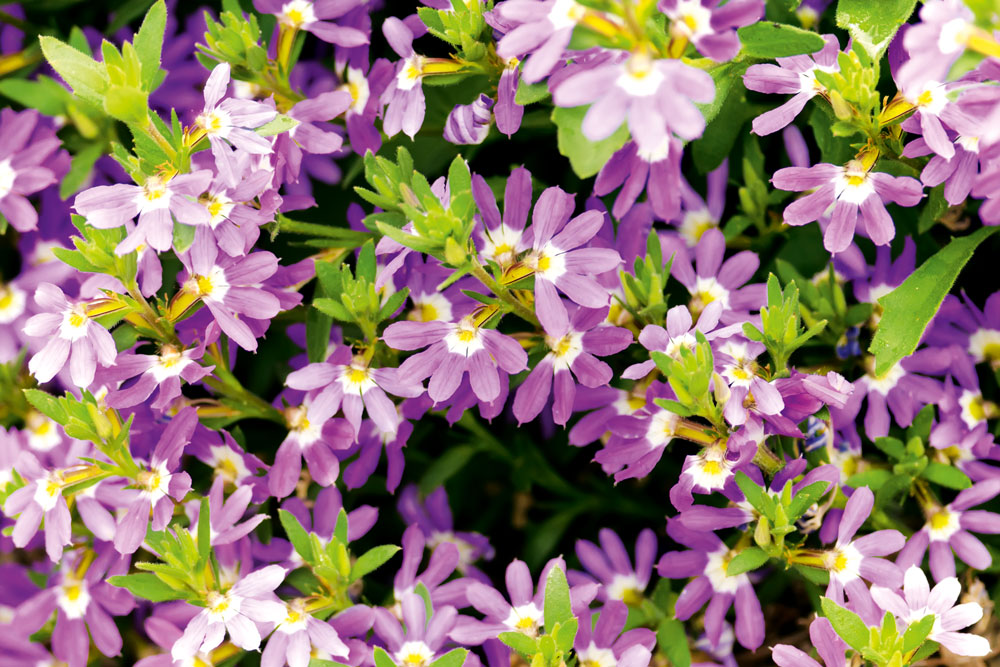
(340, 529)
(846, 623)
(749, 559)
(927, 650)
(520, 642)
(806, 498)
(892, 447)
(333, 308)
(147, 586)
(297, 535)
(529, 93)
(776, 40)
(87, 77)
(382, 658)
(917, 632)
(281, 123)
(80, 168)
(754, 494)
(565, 634)
(909, 308)
(43, 94)
(557, 604)
(47, 404)
(204, 531)
(672, 640)
(873, 24)
(946, 475)
(148, 43)
(371, 560)
(453, 658)
(128, 105)
(585, 156)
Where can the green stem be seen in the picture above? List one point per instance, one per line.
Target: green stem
(225, 383)
(150, 315)
(767, 460)
(502, 293)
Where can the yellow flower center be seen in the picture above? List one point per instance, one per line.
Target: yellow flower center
(154, 188)
(991, 351)
(6, 297)
(526, 623)
(855, 180)
(925, 98)
(977, 410)
(563, 346)
(636, 402)
(940, 520)
(543, 263)
(840, 562)
(76, 319)
(73, 591)
(712, 468)
(632, 597)
(204, 285)
(466, 335)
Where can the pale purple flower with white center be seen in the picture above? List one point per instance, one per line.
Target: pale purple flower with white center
(887, 274)
(680, 332)
(314, 17)
(313, 134)
(443, 562)
(715, 278)
(959, 173)
(656, 97)
(72, 334)
(935, 113)
(571, 355)
(353, 386)
(606, 645)
(157, 202)
(294, 639)
(369, 448)
(949, 529)
(237, 611)
(232, 122)
(698, 215)
(847, 191)
(81, 603)
(230, 287)
(366, 92)
(160, 373)
(404, 96)
(501, 239)
(433, 517)
(711, 25)
(541, 28)
(609, 564)
(706, 561)
(40, 497)
(714, 468)
(558, 260)
(225, 514)
(639, 439)
(29, 162)
(658, 172)
(469, 123)
(919, 600)
(602, 404)
(828, 644)
(507, 112)
(454, 350)
(424, 638)
(158, 486)
(796, 76)
(311, 434)
(855, 558)
(936, 42)
(960, 321)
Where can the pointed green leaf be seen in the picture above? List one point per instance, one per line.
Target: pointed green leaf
(147, 586)
(557, 603)
(372, 560)
(747, 560)
(846, 623)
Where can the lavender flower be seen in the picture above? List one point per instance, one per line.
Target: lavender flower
(314, 17)
(469, 123)
(30, 160)
(710, 25)
(658, 171)
(161, 373)
(311, 434)
(404, 96)
(828, 644)
(541, 28)
(40, 497)
(297, 636)
(424, 639)
(433, 517)
(611, 566)
(606, 644)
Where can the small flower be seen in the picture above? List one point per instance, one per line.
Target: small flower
(237, 611)
(828, 644)
(542, 28)
(314, 17)
(311, 434)
(846, 191)
(469, 123)
(424, 638)
(225, 515)
(606, 645)
(609, 563)
(710, 25)
(657, 170)
(433, 517)
(297, 636)
(159, 486)
(29, 162)
(920, 600)
(160, 373)
(41, 497)
(404, 96)
(72, 334)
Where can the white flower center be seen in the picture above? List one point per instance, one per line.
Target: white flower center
(984, 345)
(943, 524)
(228, 463)
(973, 408)
(43, 433)
(297, 13)
(464, 339)
(211, 287)
(640, 77)
(931, 98)
(624, 587)
(593, 656)
(356, 379)
(954, 35)
(12, 301)
(853, 184)
(526, 619)
(414, 654)
(661, 428)
(710, 470)
(357, 86)
(155, 482)
(651, 154)
(216, 123)
(305, 432)
(844, 563)
(501, 245)
(74, 324)
(566, 349)
(223, 606)
(170, 363)
(73, 597)
(7, 176)
(690, 19)
(153, 195)
(707, 290)
(886, 382)
(430, 307)
(715, 570)
(47, 491)
(565, 14)
(695, 224)
(295, 620)
(410, 73)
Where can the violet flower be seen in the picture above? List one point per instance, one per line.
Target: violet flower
(711, 25)
(424, 638)
(443, 562)
(161, 373)
(469, 123)
(706, 561)
(72, 334)
(507, 111)
(919, 600)
(680, 332)
(500, 239)
(698, 215)
(159, 486)
(295, 638)
(571, 355)
(158, 202)
(962, 322)
(237, 611)
(657, 171)
(848, 190)
(225, 515)
(937, 41)
(606, 644)
(830, 647)
(29, 162)
(541, 28)
(313, 134)
(949, 529)
(611, 566)
(40, 497)
(638, 439)
(404, 96)
(454, 350)
(433, 517)
(314, 17)
(366, 91)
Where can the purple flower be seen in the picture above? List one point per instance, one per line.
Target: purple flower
(29, 162)
(706, 561)
(454, 350)
(159, 485)
(853, 559)
(237, 611)
(366, 91)
(920, 600)
(611, 566)
(606, 644)
(541, 28)
(424, 639)
(434, 519)
(157, 202)
(698, 215)
(847, 190)
(507, 111)
(469, 123)
(709, 26)
(632, 169)
(225, 515)
(297, 636)
(351, 385)
(311, 434)
(714, 468)
(313, 134)
(933, 111)
(72, 334)
(404, 96)
(443, 561)
(949, 528)
(656, 97)
(828, 644)
(229, 287)
(959, 173)
(794, 76)
(961, 322)
(937, 41)
(571, 354)
(40, 497)
(161, 372)
(501, 239)
(679, 333)
(314, 17)
(639, 439)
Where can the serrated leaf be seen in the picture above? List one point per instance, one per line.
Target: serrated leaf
(846, 623)
(87, 77)
(766, 39)
(585, 156)
(148, 43)
(557, 602)
(147, 586)
(873, 24)
(520, 642)
(908, 309)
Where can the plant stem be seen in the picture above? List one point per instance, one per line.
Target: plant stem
(502, 293)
